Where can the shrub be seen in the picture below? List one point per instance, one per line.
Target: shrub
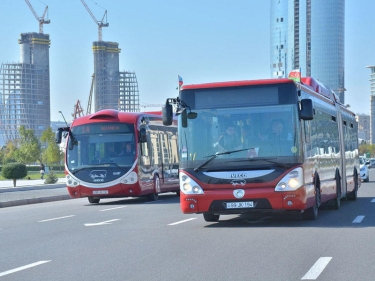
(14, 171)
(51, 178)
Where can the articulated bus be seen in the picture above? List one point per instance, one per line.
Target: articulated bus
(113, 154)
(313, 163)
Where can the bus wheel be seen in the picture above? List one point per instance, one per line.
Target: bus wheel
(211, 217)
(155, 195)
(353, 195)
(312, 212)
(93, 200)
(337, 201)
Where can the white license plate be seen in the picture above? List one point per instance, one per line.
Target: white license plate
(100, 192)
(236, 205)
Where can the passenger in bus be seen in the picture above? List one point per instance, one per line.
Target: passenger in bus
(229, 140)
(277, 132)
(128, 150)
(246, 138)
(112, 152)
(97, 158)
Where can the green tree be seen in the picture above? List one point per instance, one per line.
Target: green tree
(7, 152)
(14, 171)
(51, 154)
(29, 149)
(367, 148)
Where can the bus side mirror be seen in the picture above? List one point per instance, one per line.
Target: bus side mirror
(71, 143)
(306, 111)
(58, 136)
(184, 118)
(142, 135)
(167, 114)
(192, 115)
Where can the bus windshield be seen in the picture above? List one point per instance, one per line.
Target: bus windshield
(101, 144)
(250, 134)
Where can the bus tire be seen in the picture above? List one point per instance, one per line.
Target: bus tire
(312, 212)
(209, 217)
(353, 195)
(155, 194)
(93, 200)
(337, 201)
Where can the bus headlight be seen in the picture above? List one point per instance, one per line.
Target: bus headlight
(131, 178)
(188, 185)
(70, 181)
(292, 181)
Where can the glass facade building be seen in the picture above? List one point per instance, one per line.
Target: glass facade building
(309, 35)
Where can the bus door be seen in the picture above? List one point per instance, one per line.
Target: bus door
(342, 130)
(168, 154)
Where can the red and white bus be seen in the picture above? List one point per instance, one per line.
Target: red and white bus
(111, 154)
(313, 163)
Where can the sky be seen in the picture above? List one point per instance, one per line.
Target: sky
(200, 40)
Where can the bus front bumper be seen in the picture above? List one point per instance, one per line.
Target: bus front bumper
(255, 199)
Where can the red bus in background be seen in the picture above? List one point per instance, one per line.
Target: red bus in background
(287, 146)
(113, 154)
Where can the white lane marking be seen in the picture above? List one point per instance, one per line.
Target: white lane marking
(22, 268)
(58, 218)
(373, 201)
(358, 219)
(182, 221)
(317, 268)
(101, 223)
(112, 209)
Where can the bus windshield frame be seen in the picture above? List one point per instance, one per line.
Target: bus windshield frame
(251, 117)
(100, 144)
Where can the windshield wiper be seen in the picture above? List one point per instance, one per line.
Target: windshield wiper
(215, 155)
(83, 168)
(96, 165)
(269, 160)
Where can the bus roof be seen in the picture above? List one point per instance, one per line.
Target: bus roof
(112, 115)
(312, 83)
(236, 83)
(308, 82)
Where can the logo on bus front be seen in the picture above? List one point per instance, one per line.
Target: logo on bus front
(238, 175)
(98, 175)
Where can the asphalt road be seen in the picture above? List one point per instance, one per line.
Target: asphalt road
(133, 239)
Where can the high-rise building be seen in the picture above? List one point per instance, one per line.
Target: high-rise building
(113, 89)
(372, 103)
(363, 126)
(25, 89)
(309, 35)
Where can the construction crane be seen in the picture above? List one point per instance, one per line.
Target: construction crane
(99, 23)
(41, 19)
(78, 110)
(151, 105)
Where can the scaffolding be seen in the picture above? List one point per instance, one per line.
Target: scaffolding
(25, 89)
(129, 93)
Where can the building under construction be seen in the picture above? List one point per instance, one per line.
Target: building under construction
(113, 89)
(25, 89)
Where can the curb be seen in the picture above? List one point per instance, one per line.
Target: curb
(34, 201)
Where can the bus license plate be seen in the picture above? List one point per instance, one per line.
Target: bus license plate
(100, 192)
(236, 205)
